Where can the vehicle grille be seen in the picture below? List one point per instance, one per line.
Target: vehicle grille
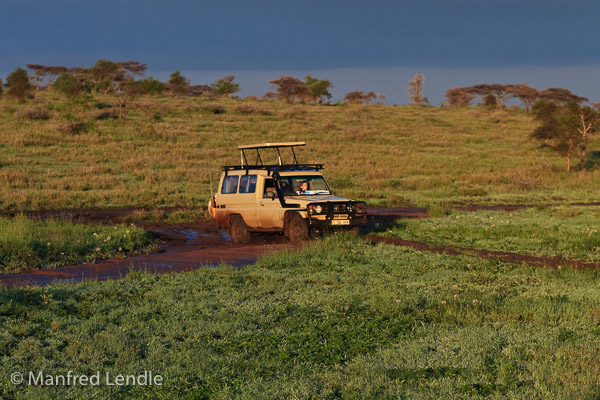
(339, 208)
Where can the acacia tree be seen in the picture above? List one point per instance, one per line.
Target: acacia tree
(525, 93)
(18, 84)
(0, 87)
(561, 96)
(318, 88)
(291, 89)
(459, 97)
(47, 73)
(416, 91)
(359, 97)
(566, 127)
(178, 83)
(225, 86)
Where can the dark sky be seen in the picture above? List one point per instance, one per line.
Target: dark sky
(280, 35)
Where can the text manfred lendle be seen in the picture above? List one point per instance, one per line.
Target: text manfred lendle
(147, 378)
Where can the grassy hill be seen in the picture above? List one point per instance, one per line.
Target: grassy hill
(57, 153)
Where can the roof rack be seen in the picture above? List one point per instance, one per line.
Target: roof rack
(274, 168)
(276, 146)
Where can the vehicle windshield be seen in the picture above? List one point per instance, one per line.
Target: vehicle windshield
(303, 185)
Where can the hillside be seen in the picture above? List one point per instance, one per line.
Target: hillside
(77, 154)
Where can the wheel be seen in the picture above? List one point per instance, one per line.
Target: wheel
(297, 229)
(239, 230)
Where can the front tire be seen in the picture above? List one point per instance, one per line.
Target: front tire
(238, 230)
(297, 229)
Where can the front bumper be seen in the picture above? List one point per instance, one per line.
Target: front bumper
(337, 214)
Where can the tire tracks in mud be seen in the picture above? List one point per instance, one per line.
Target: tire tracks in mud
(188, 246)
(503, 256)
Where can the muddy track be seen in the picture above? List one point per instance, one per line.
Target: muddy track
(187, 246)
(503, 256)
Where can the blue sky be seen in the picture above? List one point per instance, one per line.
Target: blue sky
(373, 45)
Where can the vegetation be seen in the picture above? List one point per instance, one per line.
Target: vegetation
(290, 89)
(225, 86)
(319, 88)
(463, 96)
(565, 232)
(28, 244)
(416, 91)
(79, 155)
(178, 83)
(341, 319)
(18, 84)
(566, 127)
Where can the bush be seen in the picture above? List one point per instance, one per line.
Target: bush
(34, 113)
(251, 109)
(72, 127)
(214, 108)
(294, 112)
(18, 84)
(68, 85)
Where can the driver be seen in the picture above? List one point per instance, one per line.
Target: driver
(303, 188)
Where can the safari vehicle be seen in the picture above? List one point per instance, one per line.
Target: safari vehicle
(292, 198)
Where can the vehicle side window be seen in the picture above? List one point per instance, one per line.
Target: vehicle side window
(248, 184)
(230, 184)
(269, 187)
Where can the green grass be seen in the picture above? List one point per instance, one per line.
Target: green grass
(386, 155)
(27, 244)
(339, 319)
(567, 232)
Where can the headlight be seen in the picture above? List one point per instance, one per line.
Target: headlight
(318, 209)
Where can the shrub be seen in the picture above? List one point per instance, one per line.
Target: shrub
(18, 84)
(214, 108)
(68, 85)
(294, 112)
(251, 109)
(34, 113)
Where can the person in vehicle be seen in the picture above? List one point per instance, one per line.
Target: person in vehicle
(303, 188)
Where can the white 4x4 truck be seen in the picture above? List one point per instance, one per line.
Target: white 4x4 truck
(291, 198)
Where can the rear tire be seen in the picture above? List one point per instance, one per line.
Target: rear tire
(238, 230)
(297, 229)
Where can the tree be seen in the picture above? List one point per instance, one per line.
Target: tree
(152, 86)
(501, 92)
(104, 74)
(561, 96)
(291, 89)
(225, 86)
(0, 87)
(47, 73)
(415, 90)
(525, 93)
(318, 88)
(18, 84)
(490, 101)
(359, 97)
(178, 83)
(68, 85)
(459, 97)
(566, 127)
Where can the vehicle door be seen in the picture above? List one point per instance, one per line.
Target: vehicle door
(270, 213)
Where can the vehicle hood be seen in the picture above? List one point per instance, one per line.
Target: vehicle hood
(313, 199)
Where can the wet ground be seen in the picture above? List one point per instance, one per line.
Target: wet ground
(187, 246)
